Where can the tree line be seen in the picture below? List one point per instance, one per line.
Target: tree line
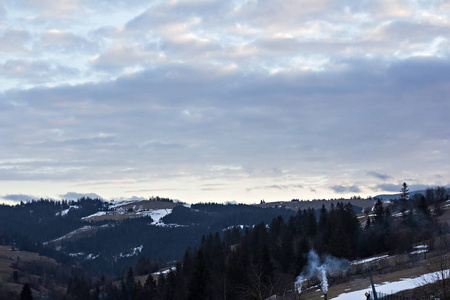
(259, 261)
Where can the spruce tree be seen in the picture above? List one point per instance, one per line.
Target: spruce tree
(26, 293)
(404, 196)
(200, 283)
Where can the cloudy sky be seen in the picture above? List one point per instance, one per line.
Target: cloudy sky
(223, 100)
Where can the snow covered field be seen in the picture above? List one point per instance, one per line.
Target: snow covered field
(396, 286)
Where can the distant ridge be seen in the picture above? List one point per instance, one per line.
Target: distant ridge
(397, 195)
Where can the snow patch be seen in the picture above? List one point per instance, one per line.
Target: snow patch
(396, 286)
(166, 271)
(134, 251)
(420, 249)
(238, 226)
(97, 214)
(157, 215)
(170, 225)
(66, 211)
(400, 213)
(92, 256)
(367, 260)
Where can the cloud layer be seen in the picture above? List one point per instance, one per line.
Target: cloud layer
(223, 100)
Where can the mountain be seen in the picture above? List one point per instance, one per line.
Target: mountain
(104, 237)
(208, 250)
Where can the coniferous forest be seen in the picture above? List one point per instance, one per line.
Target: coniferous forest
(209, 257)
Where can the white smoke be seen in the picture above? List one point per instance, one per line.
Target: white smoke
(324, 279)
(319, 268)
(298, 284)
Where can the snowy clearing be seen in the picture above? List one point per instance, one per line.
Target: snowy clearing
(363, 261)
(66, 211)
(97, 214)
(396, 286)
(157, 215)
(420, 249)
(420, 246)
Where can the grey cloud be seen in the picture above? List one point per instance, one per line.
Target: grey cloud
(388, 187)
(397, 187)
(292, 46)
(379, 175)
(420, 71)
(76, 196)
(19, 197)
(121, 57)
(257, 85)
(53, 12)
(278, 187)
(181, 118)
(14, 40)
(403, 30)
(420, 187)
(213, 188)
(270, 13)
(69, 42)
(2, 11)
(35, 71)
(340, 189)
(169, 13)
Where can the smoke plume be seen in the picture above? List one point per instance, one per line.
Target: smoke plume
(324, 284)
(318, 268)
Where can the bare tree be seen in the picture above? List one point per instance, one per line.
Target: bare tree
(259, 286)
(439, 266)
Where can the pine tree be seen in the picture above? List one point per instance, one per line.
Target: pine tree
(150, 287)
(405, 192)
(404, 196)
(311, 223)
(26, 293)
(380, 215)
(129, 281)
(200, 283)
(161, 285)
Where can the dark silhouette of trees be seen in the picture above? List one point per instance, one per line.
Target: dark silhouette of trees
(78, 288)
(200, 282)
(404, 196)
(26, 293)
(250, 261)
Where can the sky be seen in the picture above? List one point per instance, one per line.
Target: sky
(220, 101)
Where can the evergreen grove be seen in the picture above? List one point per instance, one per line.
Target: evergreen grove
(263, 260)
